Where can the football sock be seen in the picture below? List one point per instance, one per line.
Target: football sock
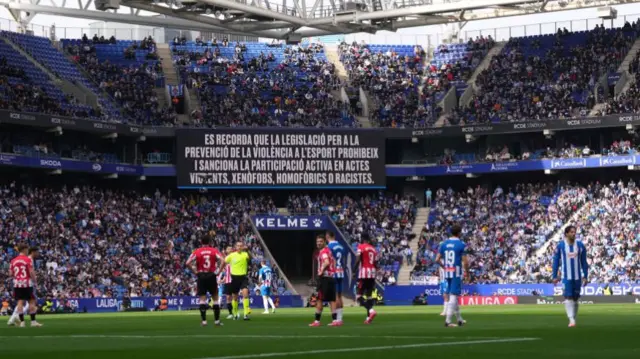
(21, 316)
(339, 313)
(216, 312)
(245, 306)
(272, 304)
(334, 316)
(568, 307)
(370, 305)
(14, 315)
(444, 310)
(457, 312)
(453, 301)
(266, 304)
(234, 304)
(318, 315)
(203, 312)
(575, 308)
(33, 317)
(230, 308)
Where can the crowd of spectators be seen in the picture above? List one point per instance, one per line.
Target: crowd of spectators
(19, 93)
(393, 80)
(131, 85)
(387, 219)
(628, 101)
(608, 226)
(504, 153)
(262, 91)
(110, 243)
(546, 77)
(502, 228)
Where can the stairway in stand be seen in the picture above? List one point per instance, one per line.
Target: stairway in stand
(331, 51)
(404, 276)
(171, 78)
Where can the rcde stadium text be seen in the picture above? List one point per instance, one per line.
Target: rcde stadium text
(280, 159)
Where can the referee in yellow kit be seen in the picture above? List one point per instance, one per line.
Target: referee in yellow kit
(239, 263)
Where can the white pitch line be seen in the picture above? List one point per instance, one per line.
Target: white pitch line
(366, 349)
(226, 336)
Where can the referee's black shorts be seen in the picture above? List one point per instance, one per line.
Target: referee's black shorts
(238, 282)
(207, 283)
(327, 289)
(366, 286)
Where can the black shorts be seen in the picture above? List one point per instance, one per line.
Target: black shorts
(327, 289)
(366, 286)
(227, 290)
(238, 282)
(23, 293)
(207, 283)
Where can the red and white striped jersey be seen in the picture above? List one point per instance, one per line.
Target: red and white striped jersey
(225, 276)
(368, 257)
(21, 267)
(330, 270)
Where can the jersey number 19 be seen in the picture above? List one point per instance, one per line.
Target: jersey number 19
(449, 259)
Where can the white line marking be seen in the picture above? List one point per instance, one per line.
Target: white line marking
(366, 349)
(227, 336)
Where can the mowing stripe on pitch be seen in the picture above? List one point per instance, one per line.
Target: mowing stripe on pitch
(230, 336)
(366, 349)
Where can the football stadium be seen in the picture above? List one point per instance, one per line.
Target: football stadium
(235, 179)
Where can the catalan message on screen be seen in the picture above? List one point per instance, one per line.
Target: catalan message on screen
(239, 158)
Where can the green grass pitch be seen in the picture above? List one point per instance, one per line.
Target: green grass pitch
(513, 332)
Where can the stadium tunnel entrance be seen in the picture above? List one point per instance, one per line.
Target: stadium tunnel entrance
(294, 252)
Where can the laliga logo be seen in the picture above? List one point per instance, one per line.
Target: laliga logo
(317, 223)
(509, 300)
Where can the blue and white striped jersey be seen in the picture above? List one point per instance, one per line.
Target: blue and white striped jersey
(573, 260)
(452, 250)
(337, 250)
(265, 275)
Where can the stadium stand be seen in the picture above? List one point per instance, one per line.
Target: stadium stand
(259, 84)
(388, 219)
(546, 76)
(608, 228)
(128, 71)
(109, 243)
(43, 51)
(26, 88)
(501, 228)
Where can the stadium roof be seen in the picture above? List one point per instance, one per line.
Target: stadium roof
(292, 19)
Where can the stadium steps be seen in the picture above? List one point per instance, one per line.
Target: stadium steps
(170, 73)
(161, 94)
(557, 236)
(303, 288)
(67, 87)
(486, 62)
(624, 66)
(364, 121)
(195, 100)
(332, 56)
(99, 92)
(422, 217)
